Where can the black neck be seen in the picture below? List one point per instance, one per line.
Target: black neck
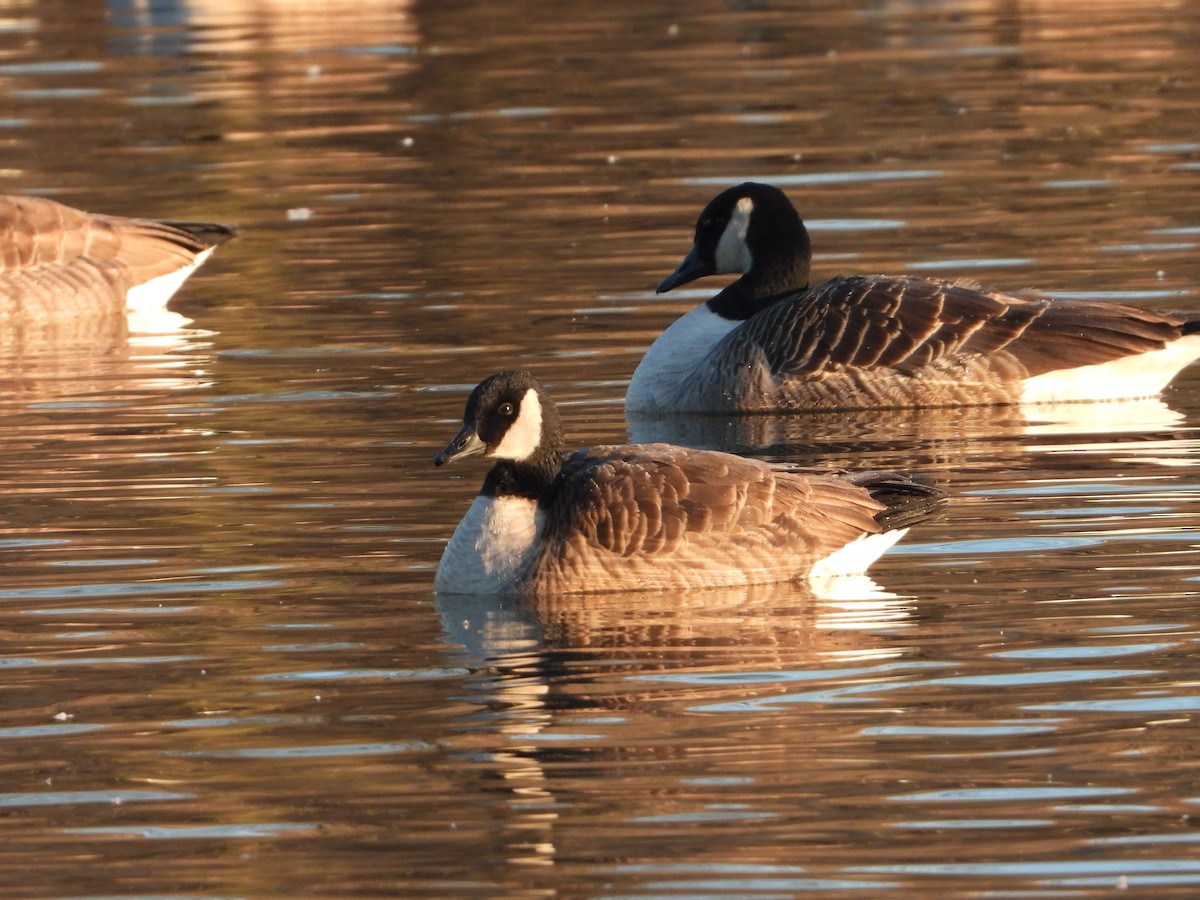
(747, 296)
(529, 479)
(783, 271)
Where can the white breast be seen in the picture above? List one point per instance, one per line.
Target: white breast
(492, 547)
(669, 367)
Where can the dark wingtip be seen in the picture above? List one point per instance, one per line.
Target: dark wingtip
(909, 500)
(208, 233)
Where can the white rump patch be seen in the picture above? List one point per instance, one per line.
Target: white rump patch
(525, 433)
(491, 548)
(854, 558)
(733, 255)
(670, 364)
(1128, 378)
(156, 292)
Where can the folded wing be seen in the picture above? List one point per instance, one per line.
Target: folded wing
(906, 324)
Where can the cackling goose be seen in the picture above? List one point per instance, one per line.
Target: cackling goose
(651, 516)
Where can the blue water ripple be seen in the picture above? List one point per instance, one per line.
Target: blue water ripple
(193, 832)
(67, 798)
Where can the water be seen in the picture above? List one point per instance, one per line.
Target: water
(225, 673)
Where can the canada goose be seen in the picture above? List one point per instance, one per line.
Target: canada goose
(652, 516)
(58, 263)
(769, 342)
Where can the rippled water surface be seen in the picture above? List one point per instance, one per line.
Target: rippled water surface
(224, 672)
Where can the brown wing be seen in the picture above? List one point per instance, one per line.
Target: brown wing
(659, 500)
(904, 324)
(54, 258)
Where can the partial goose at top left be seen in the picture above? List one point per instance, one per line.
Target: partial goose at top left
(58, 263)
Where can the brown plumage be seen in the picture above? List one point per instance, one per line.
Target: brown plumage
(769, 342)
(652, 516)
(57, 262)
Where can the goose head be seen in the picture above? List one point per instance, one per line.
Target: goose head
(753, 230)
(510, 419)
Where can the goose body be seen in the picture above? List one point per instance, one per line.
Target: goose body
(59, 263)
(770, 343)
(651, 516)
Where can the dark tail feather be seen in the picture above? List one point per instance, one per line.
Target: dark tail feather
(1191, 327)
(207, 233)
(908, 500)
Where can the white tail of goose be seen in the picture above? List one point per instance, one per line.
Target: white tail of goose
(770, 343)
(59, 263)
(652, 516)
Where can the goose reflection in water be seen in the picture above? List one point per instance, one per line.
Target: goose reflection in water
(100, 353)
(836, 618)
(601, 681)
(941, 438)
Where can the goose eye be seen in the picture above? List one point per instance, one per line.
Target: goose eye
(506, 409)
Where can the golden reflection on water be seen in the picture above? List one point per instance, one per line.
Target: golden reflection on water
(64, 359)
(225, 671)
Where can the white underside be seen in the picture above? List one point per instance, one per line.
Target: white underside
(856, 556)
(155, 293)
(492, 547)
(1128, 378)
(670, 364)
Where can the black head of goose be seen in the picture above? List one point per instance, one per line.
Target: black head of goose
(651, 516)
(58, 263)
(769, 342)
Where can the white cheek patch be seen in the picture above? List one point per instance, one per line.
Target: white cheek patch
(525, 434)
(733, 255)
